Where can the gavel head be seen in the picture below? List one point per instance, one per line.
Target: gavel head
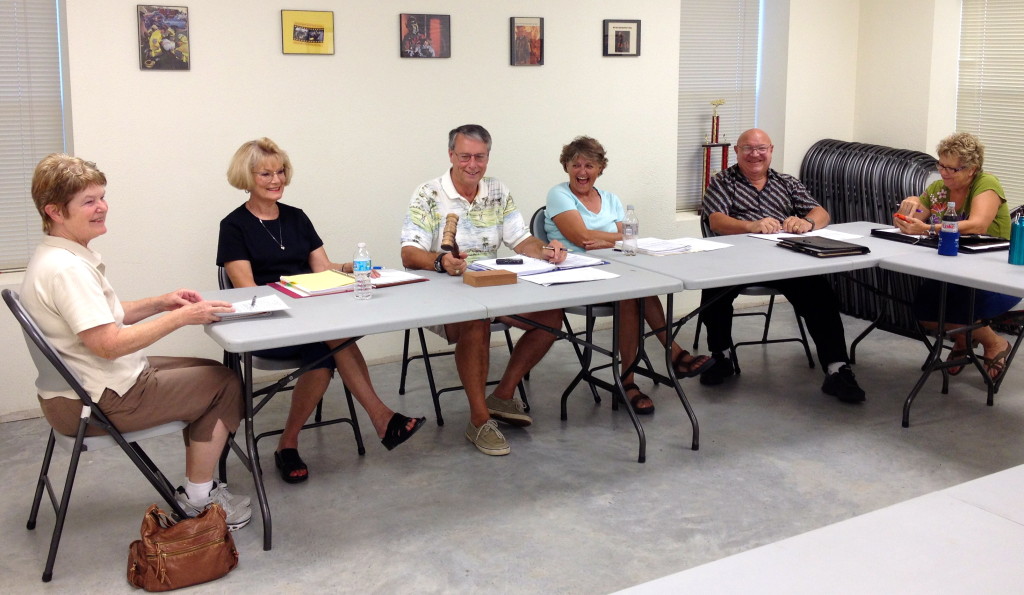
(451, 224)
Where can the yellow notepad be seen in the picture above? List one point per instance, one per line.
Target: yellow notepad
(313, 283)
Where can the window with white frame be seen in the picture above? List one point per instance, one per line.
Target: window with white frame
(719, 43)
(990, 87)
(31, 117)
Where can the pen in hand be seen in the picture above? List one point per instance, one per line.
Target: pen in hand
(552, 248)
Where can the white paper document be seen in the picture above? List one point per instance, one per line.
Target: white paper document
(262, 306)
(577, 275)
(533, 266)
(660, 247)
(824, 233)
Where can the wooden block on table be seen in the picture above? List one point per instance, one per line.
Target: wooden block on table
(489, 278)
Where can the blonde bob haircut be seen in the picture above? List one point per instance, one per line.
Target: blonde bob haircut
(249, 156)
(964, 145)
(57, 179)
(585, 147)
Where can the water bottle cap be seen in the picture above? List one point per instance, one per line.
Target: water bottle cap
(629, 207)
(361, 245)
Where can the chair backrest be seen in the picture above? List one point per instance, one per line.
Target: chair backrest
(537, 225)
(53, 373)
(223, 280)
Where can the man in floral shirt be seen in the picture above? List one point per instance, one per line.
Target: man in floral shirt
(750, 197)
(488, 217)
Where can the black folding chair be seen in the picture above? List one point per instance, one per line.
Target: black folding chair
(55, 375)
(762, 291)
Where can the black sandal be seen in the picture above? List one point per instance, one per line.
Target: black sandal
(397, 432)
(636, 399)
(288, 462)
(696, 366)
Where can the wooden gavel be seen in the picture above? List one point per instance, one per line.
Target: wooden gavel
(448, 243)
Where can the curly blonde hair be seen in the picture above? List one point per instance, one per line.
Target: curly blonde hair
(964, 145)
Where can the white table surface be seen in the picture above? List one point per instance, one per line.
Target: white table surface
(440, 300)
(744, 261)
(987, 270)
(632, 282)
(964, 539)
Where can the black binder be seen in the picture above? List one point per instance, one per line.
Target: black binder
(822, 247)
(970, 243)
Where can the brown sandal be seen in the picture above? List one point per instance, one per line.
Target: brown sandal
(636, 399)
(997, 362)
(694, 367)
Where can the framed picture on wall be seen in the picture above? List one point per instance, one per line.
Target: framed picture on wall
(307, 32)
(526, 41)
(425, 36)
(621, 38)
(163, 37)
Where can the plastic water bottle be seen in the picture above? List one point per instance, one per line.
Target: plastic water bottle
(361, 266)
(949, 234)
(630, 230)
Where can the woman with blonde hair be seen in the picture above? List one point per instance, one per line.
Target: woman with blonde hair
(262, 240)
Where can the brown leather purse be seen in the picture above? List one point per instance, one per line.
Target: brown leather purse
(172, 555)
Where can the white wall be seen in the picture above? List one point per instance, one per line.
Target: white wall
(907, 72)
(364, 127)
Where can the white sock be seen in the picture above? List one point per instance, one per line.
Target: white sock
(834, 367)
(198, 493)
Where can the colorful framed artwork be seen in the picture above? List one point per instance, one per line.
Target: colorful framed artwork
(526, 41)
(307, 32)
(163, 37)
(621, 38)
(425, 35)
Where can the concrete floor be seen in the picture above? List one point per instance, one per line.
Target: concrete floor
(570, 510)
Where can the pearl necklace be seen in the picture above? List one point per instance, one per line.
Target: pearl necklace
(280, 230)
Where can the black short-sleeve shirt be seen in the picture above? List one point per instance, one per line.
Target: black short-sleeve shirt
(244, 237)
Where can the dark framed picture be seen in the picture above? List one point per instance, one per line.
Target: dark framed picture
(621, 38)
(425, 35)
(163, 37)
(307, 32)
(526, 41)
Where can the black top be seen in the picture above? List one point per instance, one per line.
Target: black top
(243, 237)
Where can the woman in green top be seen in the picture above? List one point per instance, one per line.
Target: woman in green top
(981, 203)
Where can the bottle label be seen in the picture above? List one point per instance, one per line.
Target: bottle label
(950, 227)
(361, 266)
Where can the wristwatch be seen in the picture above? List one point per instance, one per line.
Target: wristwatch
(437, 263)
(811, 221)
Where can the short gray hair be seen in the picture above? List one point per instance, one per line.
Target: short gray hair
(474, 131)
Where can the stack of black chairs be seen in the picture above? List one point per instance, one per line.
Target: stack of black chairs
(862, 182)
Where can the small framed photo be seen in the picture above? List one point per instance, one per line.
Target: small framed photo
(425, 36)
(526, 41)
(163, 37)
(621, 38)
(307, 32)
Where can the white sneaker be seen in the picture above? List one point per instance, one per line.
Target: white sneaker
(238, 515)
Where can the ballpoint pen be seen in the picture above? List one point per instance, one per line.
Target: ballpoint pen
(253, 304)
(552, 248)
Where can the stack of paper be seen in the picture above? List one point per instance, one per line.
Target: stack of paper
(329, 281)
(659, 247)
(257, 306)
(534, 266)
